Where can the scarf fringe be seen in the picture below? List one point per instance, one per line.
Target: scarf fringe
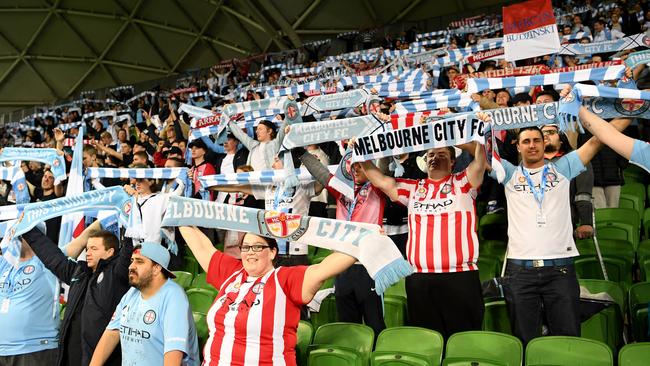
(391, 274)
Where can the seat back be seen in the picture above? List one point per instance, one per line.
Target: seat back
(618, 270)
(357, 337)
(202, 331)
(634, 354)
(493, 227)
(304, 338)
(491, 346)
(495, 317)
(612, 288)
(397, 289)
(200, 299)
(639, 297)
(413, 340)
(394, 311)
(569, 351)
(618, 224)
(327, 313)
(183, 279)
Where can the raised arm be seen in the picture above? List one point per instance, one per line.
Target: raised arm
(316, 274)
(50, 254)
(386, 184)
(476, 169)
(107, 343)
(78, 244)
(242, 136)
(199, 244)
(608, 133)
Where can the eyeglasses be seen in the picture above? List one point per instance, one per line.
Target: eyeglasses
(549, 132)
(256, 248)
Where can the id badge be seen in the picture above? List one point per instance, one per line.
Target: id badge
(541, 219)
(4, 308)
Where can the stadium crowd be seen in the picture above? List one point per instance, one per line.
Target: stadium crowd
(124, 302)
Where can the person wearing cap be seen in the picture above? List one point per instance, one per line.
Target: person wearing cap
(263, 150)
(200, 166)
(29, 316)
(153, 322)
(254, 319)
(556, 145)
(96, 286)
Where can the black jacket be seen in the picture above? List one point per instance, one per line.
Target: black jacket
(607, 164)
(92, 297)
(580, 194)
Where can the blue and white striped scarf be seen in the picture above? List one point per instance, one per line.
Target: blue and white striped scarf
(360, 240)
(637, 58)
(17, 178)
(143, 173)
(47, 156)
(107, 199)
(256, 177)
(334, 130)
(637, 40)
(475, 85)
(435, 102)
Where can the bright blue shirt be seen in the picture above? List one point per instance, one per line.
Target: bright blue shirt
(29, 309)
(641, 154)
(150, 328)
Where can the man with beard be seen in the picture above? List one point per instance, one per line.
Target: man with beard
(557, 145)
(442, 245)
(153, 322)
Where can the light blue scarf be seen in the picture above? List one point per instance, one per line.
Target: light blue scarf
(50, 157)
(361, 240)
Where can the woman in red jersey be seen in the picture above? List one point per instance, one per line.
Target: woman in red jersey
(254, 319)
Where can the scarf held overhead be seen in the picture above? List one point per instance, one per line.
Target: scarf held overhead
(50, 157)
(363, 241)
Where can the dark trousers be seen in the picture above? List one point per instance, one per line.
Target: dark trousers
(356, 299)
(445, 302)
(400, 242)
(553, 289)
(46, 357)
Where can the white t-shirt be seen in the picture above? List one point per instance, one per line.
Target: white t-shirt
(227, 166)
(295, 200)
(258, 162)
(526, 239)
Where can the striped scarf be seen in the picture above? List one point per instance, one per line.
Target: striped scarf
(144, 173)
(334, 130)
(256, 177)
(50, 157)
(637, 40)
(361, 240)
(597, 74)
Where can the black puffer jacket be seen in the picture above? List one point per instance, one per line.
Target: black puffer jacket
(93, 296)
(607, 165)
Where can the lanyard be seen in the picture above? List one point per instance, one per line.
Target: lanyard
(538, 194)
(353, 204)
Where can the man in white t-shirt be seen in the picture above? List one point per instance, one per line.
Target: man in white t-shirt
(540, 272)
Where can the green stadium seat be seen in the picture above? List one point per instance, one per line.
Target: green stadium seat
(495, 317)
(304, 336)
(191, 265)
(488, 267)
(327, 313)
(341, 344)
(634, 173)
(202, 331)
(494, 248)
(493, 227)
(607, 325)
(200, 299)
(200, 281)
(183, 279)
(395, 311)
(398, 289)
(645, 221)
(483, 348)
(643, 256)
(618, 224)
(408, 346)
(635, 354)
(612, 248)
(618, 270)
(568, 351)
(637, 189)
(320, 255)
(638, 299)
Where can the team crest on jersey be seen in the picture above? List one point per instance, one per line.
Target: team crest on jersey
(363, 192)
(56, 163)
(446, 188)
(28, 269)
(100, 278)
(149, 317)
(421, 192)
(551, 177)
(257, 289)
(281, 224)
(522, 179)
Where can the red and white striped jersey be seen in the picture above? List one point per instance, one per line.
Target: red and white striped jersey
(253, 321)
(442, 223)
